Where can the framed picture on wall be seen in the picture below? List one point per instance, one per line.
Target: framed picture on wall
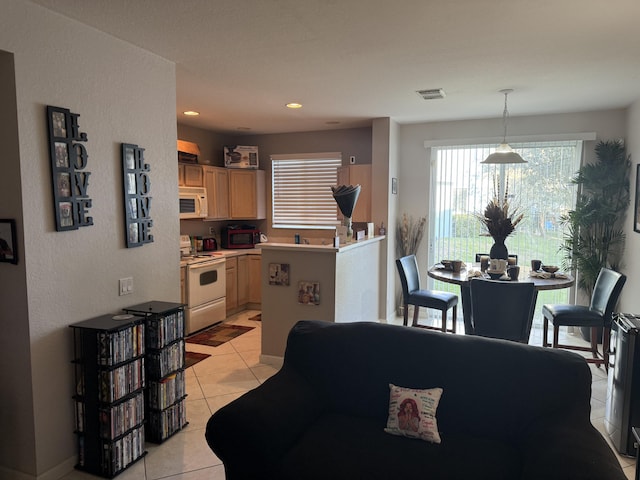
(8, 241)
(279, 274)
(309, 293)
(636, 216)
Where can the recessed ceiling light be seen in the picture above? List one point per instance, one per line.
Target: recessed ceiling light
(191, 113)
(294, 105)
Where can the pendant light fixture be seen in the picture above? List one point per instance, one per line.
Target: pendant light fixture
(504, 153)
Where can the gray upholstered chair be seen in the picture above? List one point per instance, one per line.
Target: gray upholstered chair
(412, 294)
(502, 309)
(598, 314)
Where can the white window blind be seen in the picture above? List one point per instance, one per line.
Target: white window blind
(541, 189)
(301, 190)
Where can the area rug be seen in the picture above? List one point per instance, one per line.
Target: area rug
(191, 358)
(256, 318)
(218, 334)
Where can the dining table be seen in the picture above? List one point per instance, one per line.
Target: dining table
(470, 271)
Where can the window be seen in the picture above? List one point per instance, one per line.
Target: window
(541, 189)
(301, 190)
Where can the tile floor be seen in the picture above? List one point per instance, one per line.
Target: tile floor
(233, 369)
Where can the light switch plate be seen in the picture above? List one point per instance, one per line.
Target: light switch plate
(126, 286)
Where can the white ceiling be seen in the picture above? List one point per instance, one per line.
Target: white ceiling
(348, 61)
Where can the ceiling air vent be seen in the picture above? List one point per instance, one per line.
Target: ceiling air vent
(431, 94)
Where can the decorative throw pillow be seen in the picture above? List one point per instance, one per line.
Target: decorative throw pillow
(412, 413)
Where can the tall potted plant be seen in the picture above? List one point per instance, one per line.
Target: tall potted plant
(594, 235)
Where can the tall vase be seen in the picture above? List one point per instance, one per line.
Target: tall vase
(499, 249)
(347, 223)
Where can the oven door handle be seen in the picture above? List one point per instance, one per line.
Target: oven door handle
(213, 263)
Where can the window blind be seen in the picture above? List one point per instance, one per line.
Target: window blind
(301, 190)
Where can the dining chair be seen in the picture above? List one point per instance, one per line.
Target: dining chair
(502, 309)
(598, 314)
(514, 257)
(413, 294)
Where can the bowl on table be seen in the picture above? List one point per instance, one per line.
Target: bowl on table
(550, 268)
(495, 274)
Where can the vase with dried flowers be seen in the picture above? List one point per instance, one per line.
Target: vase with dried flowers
(409, 233)
(500, 220)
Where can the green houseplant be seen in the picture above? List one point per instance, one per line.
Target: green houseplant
(594, 235)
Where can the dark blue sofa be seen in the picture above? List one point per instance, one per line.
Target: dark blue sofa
(508, 411)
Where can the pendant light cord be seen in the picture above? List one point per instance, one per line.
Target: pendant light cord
(505, 115)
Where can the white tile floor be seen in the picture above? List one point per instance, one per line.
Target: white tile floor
(233, 369)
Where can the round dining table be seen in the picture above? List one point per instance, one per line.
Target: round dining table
(462, 279)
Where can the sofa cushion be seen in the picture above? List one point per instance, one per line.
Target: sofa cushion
(412, 413)
(347, 447)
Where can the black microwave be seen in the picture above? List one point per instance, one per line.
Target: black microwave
(239, 237)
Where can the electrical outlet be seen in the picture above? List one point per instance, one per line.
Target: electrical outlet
(126, 286)
(212, 230)
(352, 159)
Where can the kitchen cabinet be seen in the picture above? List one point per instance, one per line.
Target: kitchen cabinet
(358, 175)
(246, 194)
(232, 283)
(255, 278)
(243, 280)
(216, 181)
(190, 175)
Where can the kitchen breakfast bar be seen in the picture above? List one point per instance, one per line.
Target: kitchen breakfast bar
(316, 282)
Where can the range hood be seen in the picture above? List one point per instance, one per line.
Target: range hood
(188, 152)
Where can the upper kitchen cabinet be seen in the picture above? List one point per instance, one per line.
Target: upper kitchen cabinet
(358, 175)
(190, 175)
(246, 194)
(216, 181)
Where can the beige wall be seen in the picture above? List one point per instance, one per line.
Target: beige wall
(123, 94)
(629, 301)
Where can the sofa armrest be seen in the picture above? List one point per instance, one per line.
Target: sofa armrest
(556, 450)
(252, 434)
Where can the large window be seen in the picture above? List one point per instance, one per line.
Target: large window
(541, 189)
(301, 190)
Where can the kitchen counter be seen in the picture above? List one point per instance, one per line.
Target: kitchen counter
(345, 282)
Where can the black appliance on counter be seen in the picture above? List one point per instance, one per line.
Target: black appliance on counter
(622, 409)
(239, 236)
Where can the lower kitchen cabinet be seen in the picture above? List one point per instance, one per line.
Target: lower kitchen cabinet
(232, 283)
(255, 279)
(243, 280)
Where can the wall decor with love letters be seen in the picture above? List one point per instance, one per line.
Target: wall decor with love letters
(68, 170)
(137, 201)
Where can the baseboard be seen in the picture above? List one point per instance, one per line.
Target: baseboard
(54, 473)
(272, 360)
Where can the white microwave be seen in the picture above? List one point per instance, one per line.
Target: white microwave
(193, 202)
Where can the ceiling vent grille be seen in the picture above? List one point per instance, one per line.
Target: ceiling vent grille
(431, 94)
